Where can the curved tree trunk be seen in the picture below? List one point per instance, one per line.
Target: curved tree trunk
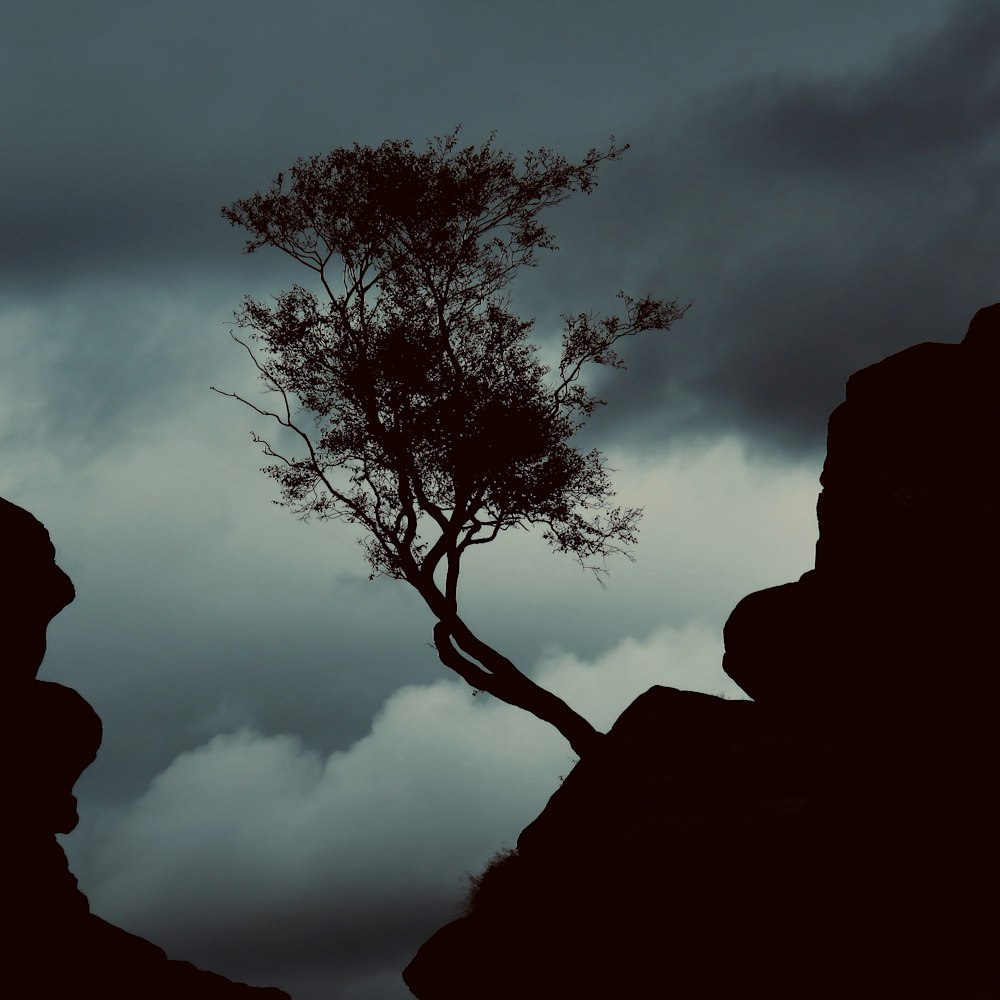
(499, 677)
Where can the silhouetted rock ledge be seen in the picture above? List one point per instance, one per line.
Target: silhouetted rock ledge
(835, 837)
(53, 946)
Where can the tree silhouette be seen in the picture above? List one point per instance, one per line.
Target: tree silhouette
(420, 408)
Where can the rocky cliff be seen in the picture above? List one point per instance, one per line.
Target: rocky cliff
(54, 947)
(836, 836)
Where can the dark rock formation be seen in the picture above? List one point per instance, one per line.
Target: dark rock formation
(836, 836)
(909, 541)
(54, 947)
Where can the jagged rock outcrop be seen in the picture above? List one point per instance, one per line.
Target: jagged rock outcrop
(909, 538)
(836, 836)
(54, 947)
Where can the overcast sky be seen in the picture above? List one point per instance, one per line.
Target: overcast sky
(290, 786)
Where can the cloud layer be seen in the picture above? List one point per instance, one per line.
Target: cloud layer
(254, 854)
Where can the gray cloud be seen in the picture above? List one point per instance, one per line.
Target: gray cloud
(815, 221)
(817, 225)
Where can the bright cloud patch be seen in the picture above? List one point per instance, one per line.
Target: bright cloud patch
(255, 838)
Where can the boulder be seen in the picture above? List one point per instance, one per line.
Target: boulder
(901, 593)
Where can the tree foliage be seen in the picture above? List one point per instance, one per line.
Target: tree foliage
(421, 408)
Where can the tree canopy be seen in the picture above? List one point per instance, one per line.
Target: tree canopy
(422, 411)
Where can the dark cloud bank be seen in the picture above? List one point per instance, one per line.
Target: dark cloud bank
(816, 226)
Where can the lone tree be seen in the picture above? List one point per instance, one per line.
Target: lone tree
(420, 407)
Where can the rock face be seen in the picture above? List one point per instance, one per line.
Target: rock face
(54, 946)
(835, 837)
(909, 538)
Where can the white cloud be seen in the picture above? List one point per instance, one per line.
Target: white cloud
(250, 828)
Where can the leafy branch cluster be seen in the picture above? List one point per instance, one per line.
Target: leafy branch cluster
(421, 386)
